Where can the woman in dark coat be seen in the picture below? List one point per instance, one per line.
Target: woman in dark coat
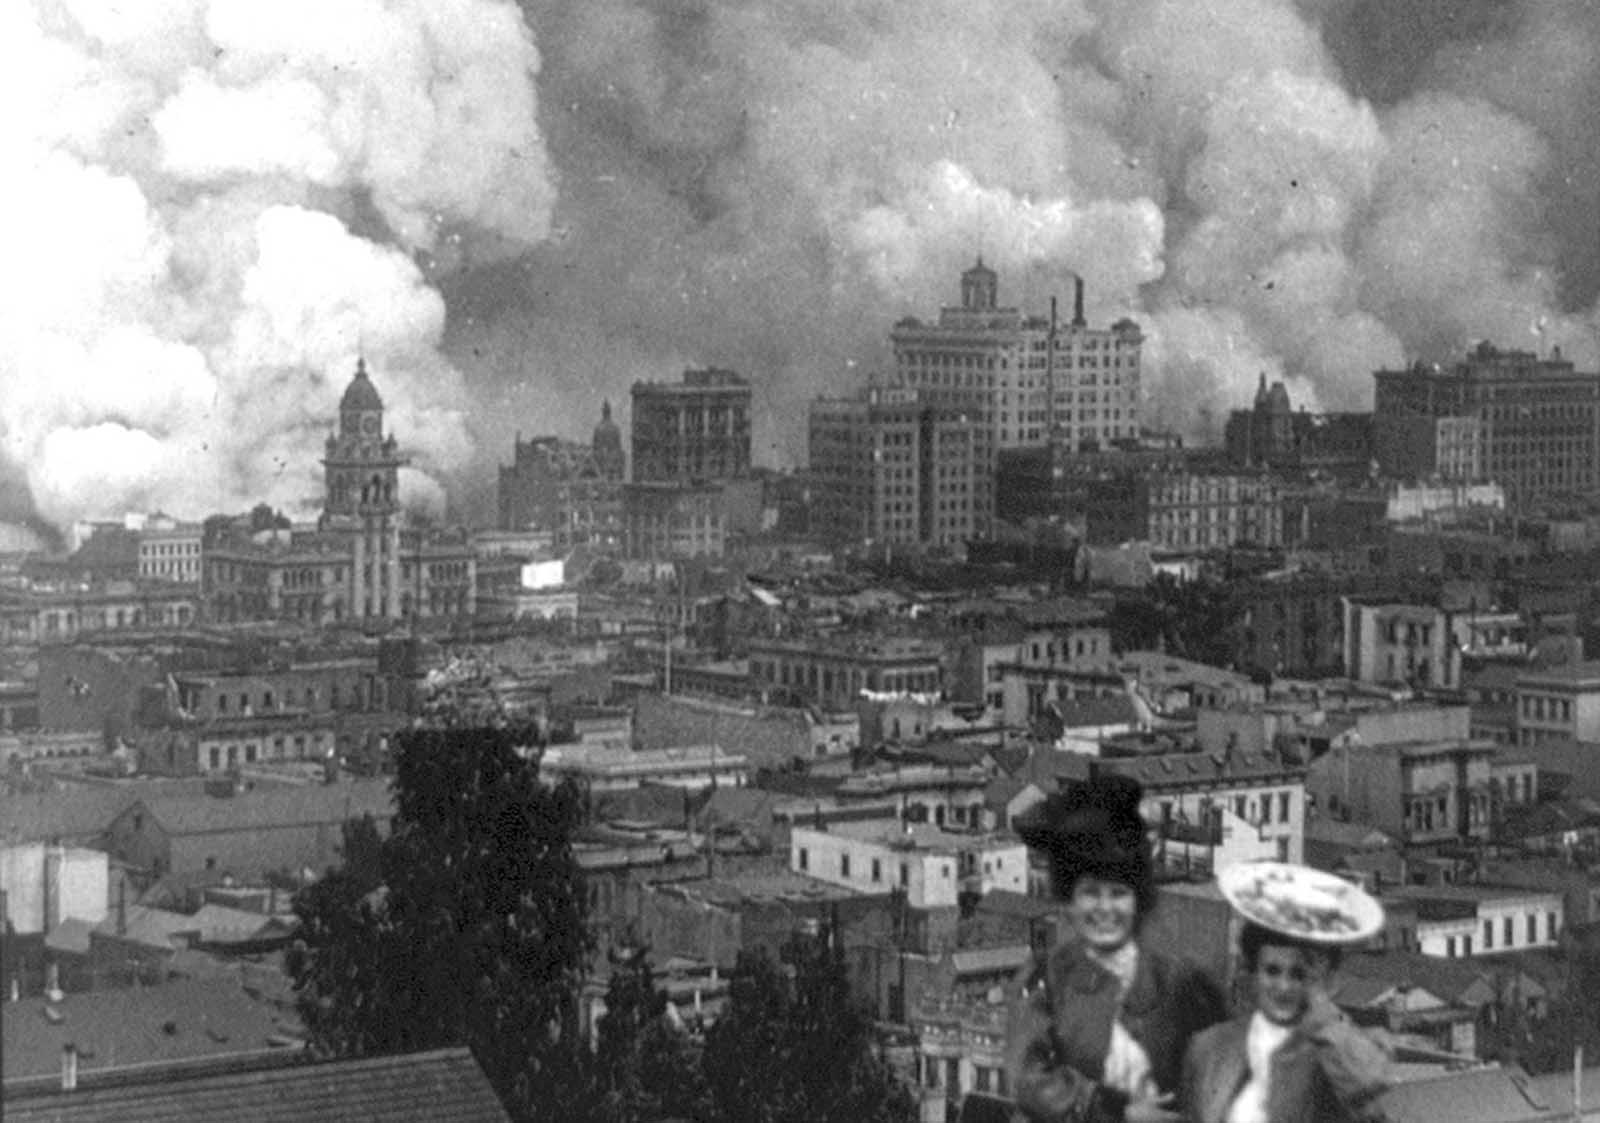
(1099, 1026)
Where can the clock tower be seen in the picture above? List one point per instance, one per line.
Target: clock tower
(361, 472)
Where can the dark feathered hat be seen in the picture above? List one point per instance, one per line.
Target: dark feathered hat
(1093, 829)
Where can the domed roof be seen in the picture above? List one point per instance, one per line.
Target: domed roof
(361, 396)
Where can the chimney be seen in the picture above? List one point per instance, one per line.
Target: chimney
(1077, 303)
(69, 1067)
(122, 907)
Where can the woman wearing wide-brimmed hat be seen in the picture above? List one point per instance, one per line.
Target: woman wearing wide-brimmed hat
(1293, 1056)
(1099, 1025)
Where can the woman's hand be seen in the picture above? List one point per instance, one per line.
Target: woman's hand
(1152, 1109)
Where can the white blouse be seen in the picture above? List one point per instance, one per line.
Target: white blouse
(1261, 1041)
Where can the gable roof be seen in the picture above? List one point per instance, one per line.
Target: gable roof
(444, 1086)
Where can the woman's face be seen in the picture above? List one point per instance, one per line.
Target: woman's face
(1284, 979)
(1104, 912)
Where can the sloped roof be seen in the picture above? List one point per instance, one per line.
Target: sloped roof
(220, 924)
(75, 813)
(1491, 1095)
(444, 1086)
(1457, 981)
(751, 807)
(156, 928)
(179, 1020)
(276, 807)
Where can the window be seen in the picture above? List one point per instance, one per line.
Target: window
(1533, 928)
(1239, 806)
(1283, 807)
(1510, 931)
(844, 865)
(877, 870)
(905, 879)
(1550, 926)
(805, 859)
(1266, 807)
(1450, 947)
(1488, 935)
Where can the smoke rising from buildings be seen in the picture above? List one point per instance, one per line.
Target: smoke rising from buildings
(1308, 189)
(215, 205)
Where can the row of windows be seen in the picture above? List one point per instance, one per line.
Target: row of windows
(1455, 946)
(231, 756)
(1552, 709)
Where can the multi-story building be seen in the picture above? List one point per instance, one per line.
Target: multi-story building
(694, 431)
(44, 613)
(1559, 704)
(1455, 921)
(571, 491)
(832, 671)
(888, 467)
(1271, 433)
(1186, 511)
(1536, 431)
(219, 721)
(1434, 787)
(674, 520)
(1024, 379)
(169, 550)
(978, 674)
(1395, 642)
(1212, 810)
(932, 866)
(363, 561)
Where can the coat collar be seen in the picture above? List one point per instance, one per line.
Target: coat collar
(1084, 975)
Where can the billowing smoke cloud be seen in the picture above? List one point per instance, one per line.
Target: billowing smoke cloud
(215, 205)
(1302, 189)
(231, 198)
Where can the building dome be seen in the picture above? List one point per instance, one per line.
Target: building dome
(361, 396)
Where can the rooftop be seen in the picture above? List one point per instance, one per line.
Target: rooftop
(444, 1086)
(120, 1029)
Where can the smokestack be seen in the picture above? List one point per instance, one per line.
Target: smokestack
(69, 1067)
(1077, 303)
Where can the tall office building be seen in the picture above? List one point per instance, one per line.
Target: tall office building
(1531, 425)
(886, 466)
(1025, 379)
(692, 432)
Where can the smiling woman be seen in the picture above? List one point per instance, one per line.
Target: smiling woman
(1098, 1025)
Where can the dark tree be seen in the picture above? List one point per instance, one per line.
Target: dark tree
(477, 933)
(645, 1068)
(792, 1047)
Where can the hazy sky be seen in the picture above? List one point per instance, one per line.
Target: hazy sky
(514, 211)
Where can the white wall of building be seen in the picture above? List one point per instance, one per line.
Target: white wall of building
(71, 882)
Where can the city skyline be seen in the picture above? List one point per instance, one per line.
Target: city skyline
(1320, 190)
